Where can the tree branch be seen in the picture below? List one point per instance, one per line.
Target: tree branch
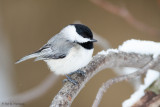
(126, 15)
(151, 97)
(33, 93)
(143, 102)
(68, 92)
(106, 85)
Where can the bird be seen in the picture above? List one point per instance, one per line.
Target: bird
(68, 51)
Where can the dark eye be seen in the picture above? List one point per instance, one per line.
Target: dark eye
(67, 41)
(75, 42)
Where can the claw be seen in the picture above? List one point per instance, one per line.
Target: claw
(79, 72)
(65, 80)
(71, 80)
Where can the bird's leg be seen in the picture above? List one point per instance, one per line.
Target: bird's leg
(70, 80)
(79, 72)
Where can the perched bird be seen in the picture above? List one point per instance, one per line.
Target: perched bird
(67, 51)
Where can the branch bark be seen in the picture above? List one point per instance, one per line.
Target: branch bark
(68, 92)
(151, 97)
(106, 85)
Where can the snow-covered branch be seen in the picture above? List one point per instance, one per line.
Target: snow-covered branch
(107, 59)
(147, 93)
(139, 72)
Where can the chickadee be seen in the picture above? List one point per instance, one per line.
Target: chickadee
(67, 51)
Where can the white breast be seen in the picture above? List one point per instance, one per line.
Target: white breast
(77, 58)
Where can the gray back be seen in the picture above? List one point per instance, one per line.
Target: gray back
(57, 47)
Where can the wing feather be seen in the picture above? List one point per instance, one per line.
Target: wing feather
(56, 48)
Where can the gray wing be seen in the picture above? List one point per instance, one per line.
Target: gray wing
(56, 48)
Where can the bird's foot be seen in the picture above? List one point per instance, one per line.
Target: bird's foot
(70, 80)
(79, 72)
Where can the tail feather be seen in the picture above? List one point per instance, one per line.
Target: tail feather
(27, 57)
(39, 58)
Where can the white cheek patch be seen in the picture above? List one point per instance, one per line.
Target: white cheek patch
(80, 39)
(70, 33)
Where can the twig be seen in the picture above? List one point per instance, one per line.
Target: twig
(106, 85)
(149, 99)
(126, 15)
(33, 93)
(68, 92)
(158, 2)
(6, 68)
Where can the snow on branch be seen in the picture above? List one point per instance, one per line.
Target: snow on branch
(151, 77)
(109, 59)
(106, 85)
(150, 97)
(141, 47)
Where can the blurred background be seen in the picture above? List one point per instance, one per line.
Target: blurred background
(25, 25)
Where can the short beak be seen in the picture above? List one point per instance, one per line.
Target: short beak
(93, 40)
